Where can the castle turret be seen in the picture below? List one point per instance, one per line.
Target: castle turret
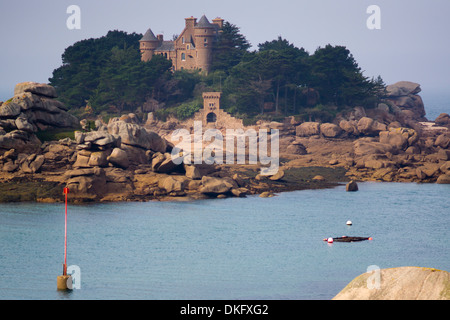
(148, 44)
(219, 22)
(190, 22)
(204, 34)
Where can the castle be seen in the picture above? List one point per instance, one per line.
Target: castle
(191, 50)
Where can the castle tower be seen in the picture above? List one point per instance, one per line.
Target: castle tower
(148, 44)
(219, 22)
(190, 22)
(211, 106)
(204, 35)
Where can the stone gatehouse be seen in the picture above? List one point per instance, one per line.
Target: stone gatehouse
(211, 116)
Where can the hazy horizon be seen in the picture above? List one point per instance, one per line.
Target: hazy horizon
(409, 46)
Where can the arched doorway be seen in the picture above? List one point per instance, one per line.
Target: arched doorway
(211, 117)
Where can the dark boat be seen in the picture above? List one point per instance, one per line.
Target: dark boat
(347, 239)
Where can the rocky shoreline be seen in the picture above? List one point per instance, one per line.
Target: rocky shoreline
(130, 160)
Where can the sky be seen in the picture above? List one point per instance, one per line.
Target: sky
(412, 43)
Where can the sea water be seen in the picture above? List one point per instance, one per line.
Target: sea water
(234, 248)
(435, 103)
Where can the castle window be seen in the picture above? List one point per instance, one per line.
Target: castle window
(182, 40)
(183, 56)
(187, 47)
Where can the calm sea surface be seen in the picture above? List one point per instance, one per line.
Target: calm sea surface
(435, 103)
(235, 248)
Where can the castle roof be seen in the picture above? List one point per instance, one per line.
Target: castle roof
(149, 36)
(166, 46)
(204, 23)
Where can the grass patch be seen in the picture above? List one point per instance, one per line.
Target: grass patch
(302, 179)
(21, 190)
(307, 173)
(55, 135)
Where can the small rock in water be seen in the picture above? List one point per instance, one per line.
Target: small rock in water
(351, 186)
(266, 194)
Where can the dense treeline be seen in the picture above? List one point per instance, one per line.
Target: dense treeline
(106, 75)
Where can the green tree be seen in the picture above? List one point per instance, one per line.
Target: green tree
(229, 49)
(337, 76)
(82, 64)
(276, 69)
(108, 71)
(125, 81)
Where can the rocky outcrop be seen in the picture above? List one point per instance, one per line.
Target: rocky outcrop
(35, 108)
(36, 88)
(215, 186)
(350, 127)
(442, 141)
(86, 184)
(135, 135)
(277, 176)
(443, 119)
(192, 172)
(119, 158)
(370, 127)
(404, 96)
(401, 154)
(330, 130)
(351, 186)
(307, 129)
(296, 148)
(399, 138)
(363, 127)
(124, 160)
(21, 141)
(403, 283)
(386, 143)
(98, 140)
(443, 179)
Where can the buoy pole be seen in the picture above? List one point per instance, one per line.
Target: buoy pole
(66, 191)
(64, 282)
